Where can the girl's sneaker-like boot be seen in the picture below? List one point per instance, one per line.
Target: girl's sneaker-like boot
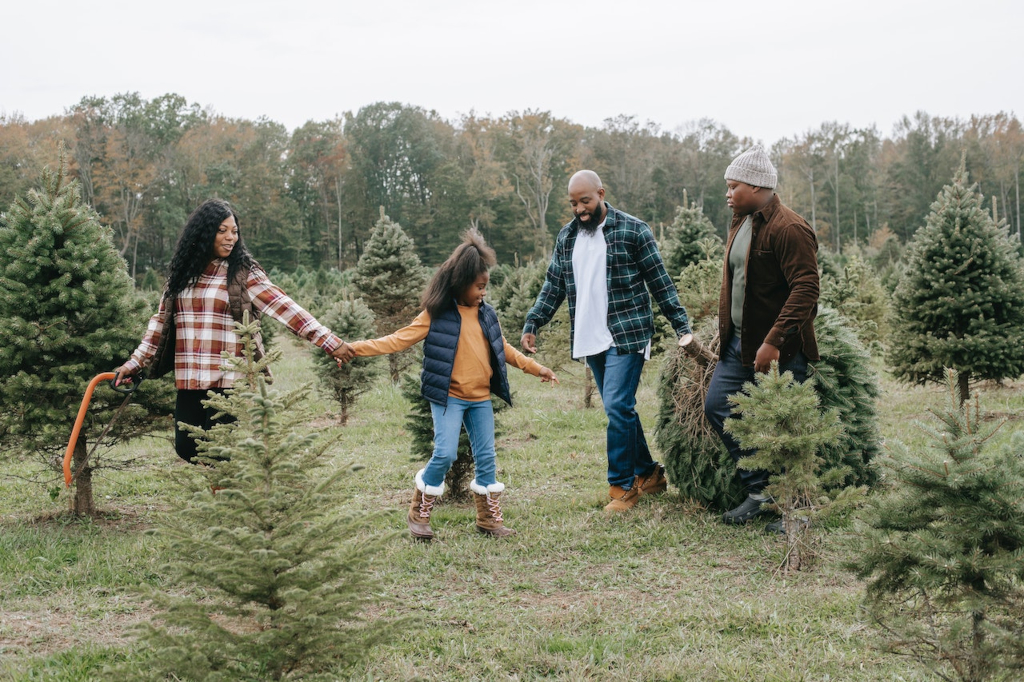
(423, 498)
(488, 509)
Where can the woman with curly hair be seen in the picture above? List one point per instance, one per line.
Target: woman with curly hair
(213, 279)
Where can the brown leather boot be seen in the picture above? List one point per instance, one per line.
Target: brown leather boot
(488, 509)
(423, 498)
(654, 482)
(622, 500)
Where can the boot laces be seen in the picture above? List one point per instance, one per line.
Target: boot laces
(426, 504)
(495, 508)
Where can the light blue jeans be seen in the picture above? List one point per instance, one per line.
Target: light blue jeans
(617, 377)
(478, 417)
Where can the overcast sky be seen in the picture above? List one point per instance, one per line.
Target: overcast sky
(764, 69)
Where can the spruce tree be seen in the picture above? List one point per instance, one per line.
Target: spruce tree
(781, 420)
(68, 311)
(682, 244)
(390, 279)
(349, 319)
(942, 551)
(698, 464)
(150, 282)
(960, 301)
(700, 283)
(857, 293)
(264, 538)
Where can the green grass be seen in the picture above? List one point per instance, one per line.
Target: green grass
(665, 592)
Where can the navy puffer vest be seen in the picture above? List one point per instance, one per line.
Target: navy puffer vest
(439, 354)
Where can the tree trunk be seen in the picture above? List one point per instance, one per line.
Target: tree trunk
(839, 241)
(792, 526)
(814, 223)
(82, 502)
(588, 387)
(978, 665)
(341, 250)
(963, 381)
(1016, 176)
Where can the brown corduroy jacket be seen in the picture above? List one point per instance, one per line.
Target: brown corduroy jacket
(780, 299)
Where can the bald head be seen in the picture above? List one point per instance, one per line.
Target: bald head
(584, 180)
(586, 196)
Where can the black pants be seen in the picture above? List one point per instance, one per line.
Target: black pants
(189, 408)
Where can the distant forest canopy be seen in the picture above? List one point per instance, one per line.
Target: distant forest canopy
(310, 196)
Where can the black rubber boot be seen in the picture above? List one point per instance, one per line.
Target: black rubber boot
(750, 509)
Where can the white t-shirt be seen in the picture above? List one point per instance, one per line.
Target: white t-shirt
(590, 272)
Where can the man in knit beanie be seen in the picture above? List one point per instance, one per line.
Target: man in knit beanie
(767, 305)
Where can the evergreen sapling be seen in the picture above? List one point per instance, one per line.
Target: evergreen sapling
(68, 311)
(781, 420)
(390, 279)
(942, 553)
(275, 577)
(960, 300)
(348, 319)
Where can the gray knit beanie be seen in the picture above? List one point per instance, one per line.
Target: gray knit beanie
(754, 168)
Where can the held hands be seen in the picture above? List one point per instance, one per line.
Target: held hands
(547, 375)
(343, 353)
(529, 343)
(763, 360)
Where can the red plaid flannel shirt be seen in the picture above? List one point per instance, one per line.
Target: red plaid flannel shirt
(204, 327)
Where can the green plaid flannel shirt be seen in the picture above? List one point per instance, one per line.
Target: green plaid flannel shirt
(634, 268)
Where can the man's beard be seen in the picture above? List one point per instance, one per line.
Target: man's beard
(590, 227)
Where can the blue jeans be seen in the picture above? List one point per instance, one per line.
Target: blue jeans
(478, 416)
(617, 377)
(729, 377)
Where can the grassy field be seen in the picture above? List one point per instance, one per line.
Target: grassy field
(665, 592)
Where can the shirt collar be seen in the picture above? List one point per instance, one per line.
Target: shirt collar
(769, 210)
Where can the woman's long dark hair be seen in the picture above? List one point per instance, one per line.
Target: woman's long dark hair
(470, 259)
(195, 246)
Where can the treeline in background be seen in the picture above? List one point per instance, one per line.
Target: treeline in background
(311, 196)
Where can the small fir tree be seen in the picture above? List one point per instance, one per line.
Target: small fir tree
(780, 419)
(348, 319)
(420, 424)
(682, 244)
(68, 311)
(942, 552)
(150, 282)
(698, 464)
(516, 294)
(283, 575)
(513, 298)
(960, 301)
(858, 295)
(700, 283)
(390, 279)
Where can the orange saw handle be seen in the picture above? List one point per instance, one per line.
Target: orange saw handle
(105, 376)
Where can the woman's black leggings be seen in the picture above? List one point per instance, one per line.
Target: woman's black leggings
(189, 408)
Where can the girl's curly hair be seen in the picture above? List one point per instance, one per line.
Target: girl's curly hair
(195, 247)
(472, 258)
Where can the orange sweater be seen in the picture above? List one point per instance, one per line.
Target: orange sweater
(471, 374)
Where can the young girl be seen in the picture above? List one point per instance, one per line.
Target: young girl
(464, 356)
